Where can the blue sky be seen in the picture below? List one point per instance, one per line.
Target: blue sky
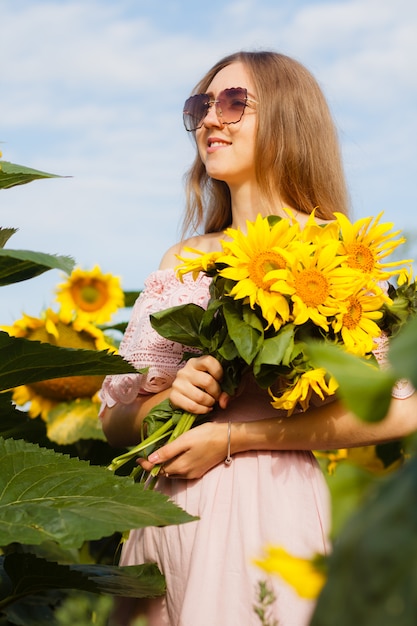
(93, 89)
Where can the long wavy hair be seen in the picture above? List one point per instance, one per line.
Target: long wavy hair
(297, 149)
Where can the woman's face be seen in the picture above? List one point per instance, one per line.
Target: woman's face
(228, 150)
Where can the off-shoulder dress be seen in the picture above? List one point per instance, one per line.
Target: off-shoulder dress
(277, 498)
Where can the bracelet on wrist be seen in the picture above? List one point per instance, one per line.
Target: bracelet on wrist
(228, 458)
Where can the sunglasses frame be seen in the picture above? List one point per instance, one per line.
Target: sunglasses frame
(205, 100)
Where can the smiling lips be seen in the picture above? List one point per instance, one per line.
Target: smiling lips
(213, 143)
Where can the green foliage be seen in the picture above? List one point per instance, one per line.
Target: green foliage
(24, 574)
(48, 496)
(347, 487)
(19, 265)
(84, 610)
(182, 321)
(53, 506)
(5, 234)
(32, 587)
(12, 175)
(372, 577)
(364, 388)
(265, 599)
(23, 361)
(131, 297)
(372, 572)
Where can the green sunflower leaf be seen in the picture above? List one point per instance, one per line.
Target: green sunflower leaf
(180, 323)
(12, 175)
(212, 330)
(275, 350)
(246, 338)
(19, 265)
(5, 234)
(46, 496)
(131, 297)
(23, 362)
(18, 425)
(372, 575)
(24, 574)
(252, 318)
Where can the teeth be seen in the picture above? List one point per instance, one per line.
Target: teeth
(218, 143)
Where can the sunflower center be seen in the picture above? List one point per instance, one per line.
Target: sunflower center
(261, 264)
(361, 257)
(312, 287)
(89, 294)
(354, 313)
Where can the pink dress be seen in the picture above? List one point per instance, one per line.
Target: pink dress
(261, 499)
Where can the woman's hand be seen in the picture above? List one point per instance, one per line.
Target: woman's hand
(193, 453)
(196, 388)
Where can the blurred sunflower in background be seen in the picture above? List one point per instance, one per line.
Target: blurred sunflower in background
(90, 295)
(69, 406)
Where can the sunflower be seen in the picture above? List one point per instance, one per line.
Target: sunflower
(304, 575)
(203, 262)
(357, 325)
(318, 283)
(43, 396)
(299, 392)
(250, 257)
(90, 295)
(366, 242)
(315, 232)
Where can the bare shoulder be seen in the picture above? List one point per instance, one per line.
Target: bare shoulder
(204, 243)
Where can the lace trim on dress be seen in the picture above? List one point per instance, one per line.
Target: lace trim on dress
(143, 347)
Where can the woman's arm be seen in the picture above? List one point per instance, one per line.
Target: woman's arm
(196, 389)
(330, 426)
(327, 427)
(122, 423)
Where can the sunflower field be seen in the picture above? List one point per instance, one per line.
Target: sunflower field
(63, 514)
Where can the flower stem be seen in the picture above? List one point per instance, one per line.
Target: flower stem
(152, 439)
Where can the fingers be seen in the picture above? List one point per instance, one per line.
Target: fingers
(196, 387)
(164, 455)
(192, 454)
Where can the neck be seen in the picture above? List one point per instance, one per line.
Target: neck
(247, 203)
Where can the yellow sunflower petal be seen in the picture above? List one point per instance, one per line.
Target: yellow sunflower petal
(366, 242)
(250, 257)
(300, 573)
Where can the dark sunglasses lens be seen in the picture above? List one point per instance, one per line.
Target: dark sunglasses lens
(195, 110)
(230, 106)
(232, 103)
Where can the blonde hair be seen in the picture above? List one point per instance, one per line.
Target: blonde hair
(297, 149)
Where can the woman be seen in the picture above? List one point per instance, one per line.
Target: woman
(265, 141)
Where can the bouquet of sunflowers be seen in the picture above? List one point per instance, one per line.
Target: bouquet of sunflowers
(273, 289)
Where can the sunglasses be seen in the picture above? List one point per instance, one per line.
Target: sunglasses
(230, 106)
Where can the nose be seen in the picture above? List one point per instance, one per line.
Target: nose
(213, 118)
